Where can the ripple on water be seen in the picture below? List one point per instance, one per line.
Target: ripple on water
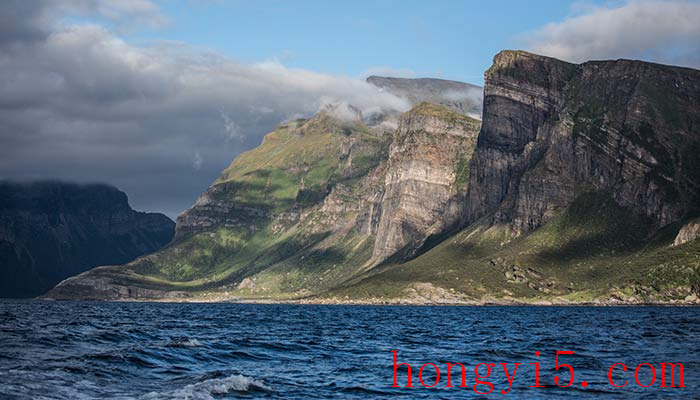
(120, 351)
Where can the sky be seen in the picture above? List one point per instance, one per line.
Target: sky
(452, 40)
(157, 97)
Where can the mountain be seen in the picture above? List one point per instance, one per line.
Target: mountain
(50, 231)
(580, 185)
(461, 97)
(584, 186)
(318, 203)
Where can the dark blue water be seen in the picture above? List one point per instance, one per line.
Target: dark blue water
(83, 350)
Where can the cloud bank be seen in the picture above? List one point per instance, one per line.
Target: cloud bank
(660, 31)
(159, 122)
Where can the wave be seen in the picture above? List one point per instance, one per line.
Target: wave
(185, 342)
(364, 390)
(208, 389)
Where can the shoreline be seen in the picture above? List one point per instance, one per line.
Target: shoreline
(312, 302)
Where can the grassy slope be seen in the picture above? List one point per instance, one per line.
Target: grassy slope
(595, 250)
(297, 164)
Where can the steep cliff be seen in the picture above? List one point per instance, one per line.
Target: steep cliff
(553, 131)
(50, 231)
(426, 179)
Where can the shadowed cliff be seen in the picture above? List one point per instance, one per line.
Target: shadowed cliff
(50, 231)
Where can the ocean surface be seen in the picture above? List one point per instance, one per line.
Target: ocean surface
(90, 350)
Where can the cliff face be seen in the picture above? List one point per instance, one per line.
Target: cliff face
(425, 184)
(50, 231)
(553, 130)
(688, 233)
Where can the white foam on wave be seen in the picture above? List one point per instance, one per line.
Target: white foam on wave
(189, 342)
(206, 390)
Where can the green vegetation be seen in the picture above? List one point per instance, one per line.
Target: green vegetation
(663, 101)
(299, 164)
(594, 250)
(293, 171)
(444, 114)
(462, 169)
(524, 67)
(589, 121)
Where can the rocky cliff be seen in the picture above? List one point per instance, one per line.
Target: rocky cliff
(50, 231)
(688, 233)
(426, 179)
(553, 131)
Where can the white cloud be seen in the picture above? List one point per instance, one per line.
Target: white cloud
(661, 31)
(121, 12)
(230, 127)
(473, 95)
(79, 103)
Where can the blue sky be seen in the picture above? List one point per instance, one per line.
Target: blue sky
(449, 39)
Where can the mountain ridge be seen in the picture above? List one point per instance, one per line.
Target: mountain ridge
(464, 98)
(571, 190)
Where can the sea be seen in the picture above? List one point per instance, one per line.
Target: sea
(103, 350)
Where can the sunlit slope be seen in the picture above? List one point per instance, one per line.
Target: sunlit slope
(595, 251)
(265, 210)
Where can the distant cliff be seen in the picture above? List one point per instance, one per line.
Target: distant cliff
(461, 97)
(50, 231)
